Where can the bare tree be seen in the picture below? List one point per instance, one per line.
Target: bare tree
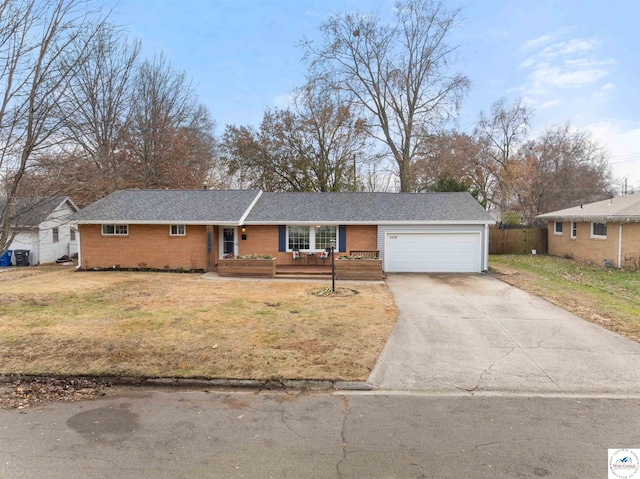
(267, 158)
(318, 145)
(38, 59)
(398, 72)
(451, 163)
(330, 137)
(561, 168)
(501, 134)
(167, 119)
(97, 108)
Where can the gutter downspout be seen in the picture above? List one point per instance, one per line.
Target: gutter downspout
(620, 246)
(486, 247)
(79, 249)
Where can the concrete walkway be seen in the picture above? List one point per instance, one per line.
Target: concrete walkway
(474, 333)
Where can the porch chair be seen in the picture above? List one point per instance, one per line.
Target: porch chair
(324, 256)
(295, 256)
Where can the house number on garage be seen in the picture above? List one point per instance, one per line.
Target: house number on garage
(393, 237)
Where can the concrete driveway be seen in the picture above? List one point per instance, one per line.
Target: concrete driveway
(474, 333)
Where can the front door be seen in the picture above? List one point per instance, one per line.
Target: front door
(229, 241)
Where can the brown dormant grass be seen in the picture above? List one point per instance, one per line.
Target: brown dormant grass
(181, 325)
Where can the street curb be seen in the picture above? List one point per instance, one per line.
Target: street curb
(354, 386)
(268, 384)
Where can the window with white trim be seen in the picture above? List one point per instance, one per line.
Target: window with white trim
(311, 238)
(56, 235)
(115, 230)
(298, 237)
(72, 234)
(325, 236)
(557, 228)
(574, 229)
(598, 230)
(177, 230)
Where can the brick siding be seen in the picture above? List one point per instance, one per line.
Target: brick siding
(153, 247)
(148, 246)
(594, 250)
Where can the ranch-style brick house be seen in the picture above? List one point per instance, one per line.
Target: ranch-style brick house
(194, 229)
(605, 233)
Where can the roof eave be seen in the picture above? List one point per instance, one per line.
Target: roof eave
(591, 218)
(373, 222)
(158, 222)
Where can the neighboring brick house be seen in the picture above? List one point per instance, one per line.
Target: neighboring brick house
(44, 229)
(604, 233)
(192, 229)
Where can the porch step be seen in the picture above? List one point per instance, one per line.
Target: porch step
(313, 276)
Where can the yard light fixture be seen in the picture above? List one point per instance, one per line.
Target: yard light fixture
(333, 265)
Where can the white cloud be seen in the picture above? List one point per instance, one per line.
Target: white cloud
(605, 91)
(562, 65)
(573, 46)
(555, 77)
(537, 42)
(528, 63)
(623, 143)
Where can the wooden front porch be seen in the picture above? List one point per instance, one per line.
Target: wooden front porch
(303, 271)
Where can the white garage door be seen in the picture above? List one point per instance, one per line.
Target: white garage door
(432, 252)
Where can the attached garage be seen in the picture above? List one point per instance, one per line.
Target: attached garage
(433, 248)
(433, 253)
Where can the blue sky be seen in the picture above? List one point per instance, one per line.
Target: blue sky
(576, 61)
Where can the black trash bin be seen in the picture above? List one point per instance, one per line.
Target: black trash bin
(22, 257)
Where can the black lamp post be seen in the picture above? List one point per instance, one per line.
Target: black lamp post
(333, 266)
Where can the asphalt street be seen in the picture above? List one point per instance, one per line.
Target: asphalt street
(151, 433)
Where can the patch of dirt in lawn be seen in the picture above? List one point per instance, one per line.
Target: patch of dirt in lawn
(572, 300)
(330, 293)
(180, 325)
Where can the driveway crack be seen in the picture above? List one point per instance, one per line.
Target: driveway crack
(497, 323)
(481, 377)
(547, 339)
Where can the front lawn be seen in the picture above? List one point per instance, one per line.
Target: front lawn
(180, 325)
(607, 297)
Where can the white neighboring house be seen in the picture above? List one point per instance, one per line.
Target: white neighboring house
(45, 231)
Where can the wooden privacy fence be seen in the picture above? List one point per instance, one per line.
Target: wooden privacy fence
(517, 241)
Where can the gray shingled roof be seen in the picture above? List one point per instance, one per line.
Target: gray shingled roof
(614, 210)
(30, 214)
(366, 208)
(169, 206)
(230, 206)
